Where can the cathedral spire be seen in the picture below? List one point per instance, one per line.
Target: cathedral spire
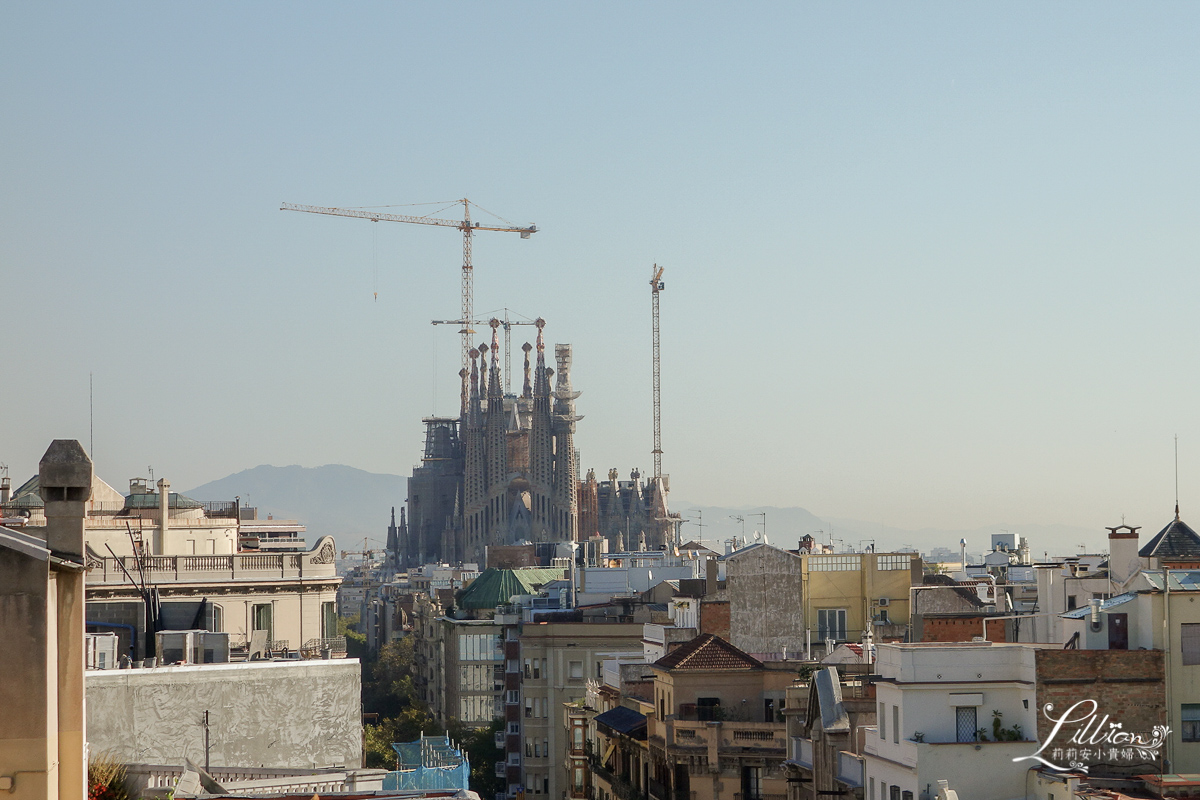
(542, 387)
(494, 389)
(463, 394)
(483, 370)
(527, 389)
(473, 405)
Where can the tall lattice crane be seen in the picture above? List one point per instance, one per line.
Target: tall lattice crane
(465, 225)
(656, 288)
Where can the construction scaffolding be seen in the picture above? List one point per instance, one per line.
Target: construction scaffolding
(430, 763)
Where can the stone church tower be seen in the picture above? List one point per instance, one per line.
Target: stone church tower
(509, 470)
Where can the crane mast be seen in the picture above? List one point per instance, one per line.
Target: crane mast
(465, 225)
(656, 288)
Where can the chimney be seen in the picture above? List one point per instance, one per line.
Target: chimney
(1122, 553)
(65, 483)
(164, 514)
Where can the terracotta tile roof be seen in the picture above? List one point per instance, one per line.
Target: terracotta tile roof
(708, 652)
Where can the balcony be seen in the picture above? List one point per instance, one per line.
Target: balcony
(767, 738)
(850, 769)
(800, 751)
(106, 570)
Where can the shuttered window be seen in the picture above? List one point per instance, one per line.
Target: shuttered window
(1189, 643)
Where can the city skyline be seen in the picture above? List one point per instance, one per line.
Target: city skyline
(922, 265)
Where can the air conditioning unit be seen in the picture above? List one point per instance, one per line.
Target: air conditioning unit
(884, 602)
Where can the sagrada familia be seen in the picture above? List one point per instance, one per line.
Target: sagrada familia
(506, 470)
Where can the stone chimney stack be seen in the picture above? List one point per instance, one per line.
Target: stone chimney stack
(164, 514)
(65, 483)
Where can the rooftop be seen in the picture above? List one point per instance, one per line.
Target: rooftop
(708, 652)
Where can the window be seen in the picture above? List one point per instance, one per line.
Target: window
(263, 619)
(529, 748)
(883, 616)
(1072, 603)
(479, 647)
(578, 779)
(577, 734)
(1190, 717)
(546, 747)
(834, 563)
(884, 563)
(751, 783)
(893, 792)
(538, 666)
(576, 670)
(328, 620)
(882, 721)
(529, 706)
(514, 697)
(871, 796)
(514, 728)
(896, 724)
(966, 724)
(528, 671)
(831, 623)
(1189, 643)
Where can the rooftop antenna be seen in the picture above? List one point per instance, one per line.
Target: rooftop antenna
(92, 424)
(1177, 476)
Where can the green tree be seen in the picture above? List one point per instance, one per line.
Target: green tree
(388, 680)
(407, 726)
(479, 745)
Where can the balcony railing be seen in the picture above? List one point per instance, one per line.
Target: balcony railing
(317, 563)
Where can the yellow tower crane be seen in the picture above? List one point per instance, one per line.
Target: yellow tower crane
(465, 225)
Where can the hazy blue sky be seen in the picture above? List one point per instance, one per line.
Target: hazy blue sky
(926, 264)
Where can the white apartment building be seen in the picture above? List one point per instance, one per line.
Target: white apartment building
(936, 706)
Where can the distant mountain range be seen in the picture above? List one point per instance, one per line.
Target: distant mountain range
(337, 500)
(350, 504)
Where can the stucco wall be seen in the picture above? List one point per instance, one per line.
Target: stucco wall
(273, 714)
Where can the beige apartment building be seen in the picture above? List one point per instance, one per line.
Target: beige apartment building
(556, 660)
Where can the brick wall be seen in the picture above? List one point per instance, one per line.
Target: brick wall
(959, 629)
(714, 617)
(1127, 685)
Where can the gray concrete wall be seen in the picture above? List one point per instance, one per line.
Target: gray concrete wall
(765, 612)
(272, 714)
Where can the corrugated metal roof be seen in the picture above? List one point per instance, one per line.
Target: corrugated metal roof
(1112, 602)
